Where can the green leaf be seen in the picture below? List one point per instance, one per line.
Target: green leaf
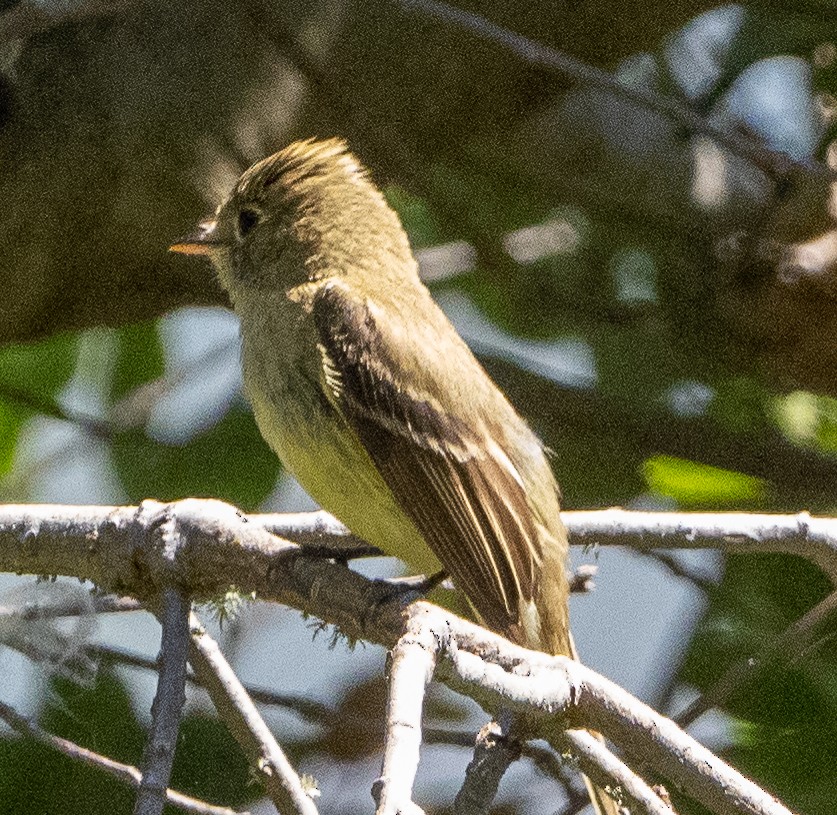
(34, 778)
(690, 483)
(416, 215)
(12, 417)
(230, 461)
(785, 728)
(203, 748)
(31, 376)
(140, 358)
(741, 404)
(826, 432)
(37, 369)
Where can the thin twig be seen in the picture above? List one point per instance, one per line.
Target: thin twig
(772, 162)
(72, 607)
(168, 704)
(243, 720)
(793, 641)
(310, 709)
(731, 532)
(494, 753)
(613, 775)
(412, 661)
(46, 406)
(677, 569)
(124, 772)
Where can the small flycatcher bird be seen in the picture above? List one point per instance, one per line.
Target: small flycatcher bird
(371, 399)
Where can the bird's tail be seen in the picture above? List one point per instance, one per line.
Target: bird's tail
(603, 804)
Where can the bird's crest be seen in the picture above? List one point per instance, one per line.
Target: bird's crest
(302, 166)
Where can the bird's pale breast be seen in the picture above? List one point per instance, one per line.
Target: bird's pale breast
(318, 446)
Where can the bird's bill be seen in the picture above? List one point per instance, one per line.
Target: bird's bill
(200, 242)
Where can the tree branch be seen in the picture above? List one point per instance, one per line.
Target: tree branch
(556, 693)
(494, 752)
(245, 723)
(122, 550)
(731, 532)
(167, 705)
(813, 538)
(613, 775)
(771, 162)
(411, 668)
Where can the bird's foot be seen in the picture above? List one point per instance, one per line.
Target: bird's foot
(405, 589)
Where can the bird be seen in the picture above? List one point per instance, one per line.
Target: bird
(369, 396)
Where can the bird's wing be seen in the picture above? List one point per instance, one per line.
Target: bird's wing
(454, 481)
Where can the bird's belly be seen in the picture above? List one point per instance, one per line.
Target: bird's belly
(328, 460)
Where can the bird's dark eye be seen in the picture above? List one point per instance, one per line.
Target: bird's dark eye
(247, 219)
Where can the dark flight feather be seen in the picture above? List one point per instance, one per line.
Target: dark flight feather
(468, 504)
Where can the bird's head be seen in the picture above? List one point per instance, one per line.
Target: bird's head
(304, 213)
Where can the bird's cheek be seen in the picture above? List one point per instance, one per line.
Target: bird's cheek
(221, 262)
(243, 268)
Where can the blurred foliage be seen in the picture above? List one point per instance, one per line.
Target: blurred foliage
(31, 377)
(38, 370)
(11, 417)
(139, 359)
(36, 778)
(694, 485)
(784, 731)
(230, 461)
(204, 746)
(711, 380)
